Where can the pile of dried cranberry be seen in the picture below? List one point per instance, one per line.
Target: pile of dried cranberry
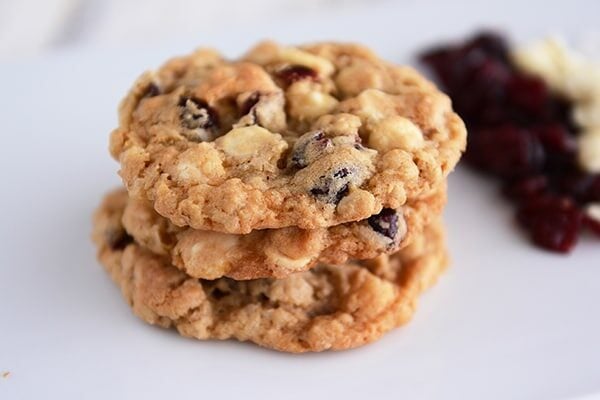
(521, 133)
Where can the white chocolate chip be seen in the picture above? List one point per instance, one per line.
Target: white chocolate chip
(395, 132)
(374, 105)
(212, 251)
(270, 52)
(358, 77)
(338, 124)
(280, 259)
(200, 164)
(296, 56)
(589, 151)
(593, 211)
(248, 141)
(306, 101)
(547, 59)
(588, 114)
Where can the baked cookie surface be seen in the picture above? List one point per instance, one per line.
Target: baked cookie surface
(271, 252)
(326, 308)
(309, 136)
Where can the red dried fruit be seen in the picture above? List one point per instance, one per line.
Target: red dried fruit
(506, 151)
(491, 43)
(308, 148)
(483, 92)
(526, 188)
(198, 118)
(295, 73)
(385, 223)
(582, 187)
(556, 139)
(553, 222)
(521, 132)
(593, 192)
(334, 186)
(592, 224)
(528, 94)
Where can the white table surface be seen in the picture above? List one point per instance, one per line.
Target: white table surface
(506, 322)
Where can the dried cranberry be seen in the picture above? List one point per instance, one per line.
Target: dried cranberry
(492, 43)
(556, 139)
(333, 187)
(198, 118)
(526, 188)
(457, 64)
(506, 151)
(295, 73)
(521, 132)
(578, 185)
(553, 222)
(528, 94)
(385, 223)
(444, 62)
(308, 148)
(560, 147)
(481, 98)
(593, 191)
(592, 224)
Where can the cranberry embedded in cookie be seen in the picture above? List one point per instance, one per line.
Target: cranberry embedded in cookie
(198, 119)
(311, 136)
(388, 223)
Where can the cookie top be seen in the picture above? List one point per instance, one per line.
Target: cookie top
(270, 252)
(326, 308)
(309, 136)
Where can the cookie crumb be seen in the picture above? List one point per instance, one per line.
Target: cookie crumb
(6, 374)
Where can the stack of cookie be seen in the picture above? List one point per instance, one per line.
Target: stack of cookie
(291, 198)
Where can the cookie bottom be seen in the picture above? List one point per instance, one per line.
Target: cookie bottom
(326, 308)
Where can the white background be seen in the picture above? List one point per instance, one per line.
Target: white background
(506, 322)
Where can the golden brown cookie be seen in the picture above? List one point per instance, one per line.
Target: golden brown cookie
(311, 137)
(326, 308)
(274, 252)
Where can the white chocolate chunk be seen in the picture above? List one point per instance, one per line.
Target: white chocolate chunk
(280, 259)
(248, 141)
(200, 164)
(593, 211)
(212, 250)
(373, 105)
(296, 56)
(588, 114)
(270, 52)
(589, 151)
(306, 101)
(395, 132)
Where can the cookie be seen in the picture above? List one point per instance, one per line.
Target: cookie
(274, 252)
(311, 137)
(326, 308)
